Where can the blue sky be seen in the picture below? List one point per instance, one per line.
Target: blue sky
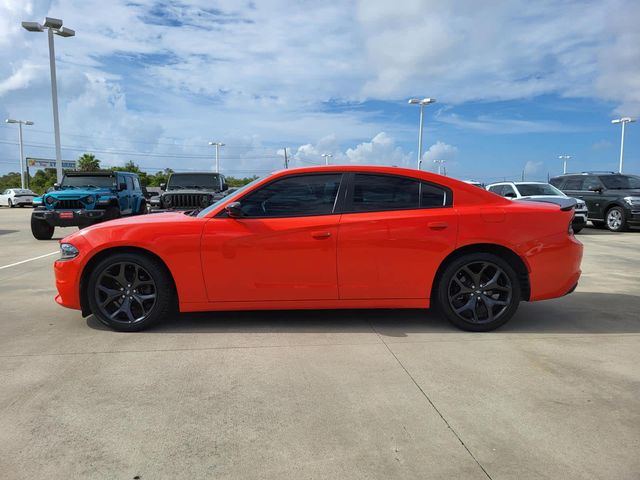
(517, 83)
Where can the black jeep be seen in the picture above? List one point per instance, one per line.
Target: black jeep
(192, 191)
(613, 199)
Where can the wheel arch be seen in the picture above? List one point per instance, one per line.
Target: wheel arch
(98, 257)
(499, 250)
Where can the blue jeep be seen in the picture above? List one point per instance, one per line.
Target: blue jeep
(85, 198)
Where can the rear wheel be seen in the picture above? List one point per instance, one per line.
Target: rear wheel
(41, 230)
(478, 292)
(10, 203)
(616, 219)
(129, 292)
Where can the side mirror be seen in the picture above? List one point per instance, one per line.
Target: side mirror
(56, 186)
(225, 187)
(510, 195)
(163, 186)
(233, 210)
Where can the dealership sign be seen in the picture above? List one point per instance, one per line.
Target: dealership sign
(48, 163)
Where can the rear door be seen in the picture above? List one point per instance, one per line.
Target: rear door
(393, 235)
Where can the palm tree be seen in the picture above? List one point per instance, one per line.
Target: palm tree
(88, 163)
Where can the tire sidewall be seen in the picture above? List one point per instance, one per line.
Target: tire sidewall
(165, 302)
(41, 230)
(623, 224)
(442, 297)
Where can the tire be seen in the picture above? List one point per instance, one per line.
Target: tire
(114, 278)
(467, 307)
(112, 213)
(578, 229)
(616, 219)
(144, 208)
(10, 203)
(598, 224)
(41, 230)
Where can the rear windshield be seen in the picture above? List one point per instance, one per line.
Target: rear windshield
(621, 182)
(88, 181)
(19, 191)
(529, 189)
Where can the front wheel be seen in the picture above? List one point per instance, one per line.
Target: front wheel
(10, 203)
(129, 292)
(616, 219)
(478, 292)
(41, 230)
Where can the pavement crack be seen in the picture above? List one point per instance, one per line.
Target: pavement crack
(424, 394)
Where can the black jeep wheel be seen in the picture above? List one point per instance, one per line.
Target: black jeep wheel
(129, 292)
(41, 229)
(112, 213)
(478, 292)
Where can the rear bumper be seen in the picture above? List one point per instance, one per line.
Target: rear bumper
(554, 267)
(69, 218)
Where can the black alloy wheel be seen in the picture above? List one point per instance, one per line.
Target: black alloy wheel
(129, 292)
(479, 292)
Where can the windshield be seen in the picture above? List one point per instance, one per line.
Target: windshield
(194, 180)
(228, 197)
(529, 189)
(75, 181)
(621, 182)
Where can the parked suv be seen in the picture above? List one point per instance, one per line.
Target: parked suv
(85, 198)
(192, 191)
(613, 199)
(539, 190)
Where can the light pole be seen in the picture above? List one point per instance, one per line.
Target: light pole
(564, 159)
(422, 103)
(22, 169)
(327, 156)
(53, 25)
(217, 145)
(440, 164)
(623, 121)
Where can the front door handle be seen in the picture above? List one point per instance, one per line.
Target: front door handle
(438, 225)
(321, 235)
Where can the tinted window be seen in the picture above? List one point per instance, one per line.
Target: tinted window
(497, 189)
(88, 181)
(621, 182)
(591, 183)
(129, 183)
(432, 196)
(573, 183)
(297, 196)
(384, 192)
(508, 189)
(528, 189)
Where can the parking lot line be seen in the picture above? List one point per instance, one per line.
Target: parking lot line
(28, 260)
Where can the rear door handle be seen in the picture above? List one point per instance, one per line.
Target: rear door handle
(321, 235)
(438, 225)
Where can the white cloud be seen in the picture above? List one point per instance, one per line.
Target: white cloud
(532, 167)
(439, 151)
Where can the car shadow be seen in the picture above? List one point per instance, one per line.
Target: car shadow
(578, 313)
(603, 231)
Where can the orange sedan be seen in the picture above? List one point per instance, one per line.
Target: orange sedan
(327, 238)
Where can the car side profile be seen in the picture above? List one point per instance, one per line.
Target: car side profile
(327, 238)
(613, 199)
(539, 191)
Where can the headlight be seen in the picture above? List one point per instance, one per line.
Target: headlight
(50, 200)
(633, 201)
(37, 201)
(89, 199)
(167, 200)
(68, 251)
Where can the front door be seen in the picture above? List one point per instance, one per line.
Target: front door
(282, 248)
(393, 235)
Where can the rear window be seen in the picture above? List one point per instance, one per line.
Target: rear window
(621, 182)
(573, 183)
(388, 192)
(529, 189)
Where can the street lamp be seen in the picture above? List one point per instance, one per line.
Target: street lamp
(564, 159)
(22, 169)
(440, 163)
(422, 103)
(53, 25)
(217, 145)
(327, 156)
(623, 121)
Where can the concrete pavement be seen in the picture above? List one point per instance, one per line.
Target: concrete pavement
(335, 394)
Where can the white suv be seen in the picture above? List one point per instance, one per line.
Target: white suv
(533, 190)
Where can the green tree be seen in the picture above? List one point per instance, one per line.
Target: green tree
(88, 163)
(10, 180)
(133, 167)
(239, 182)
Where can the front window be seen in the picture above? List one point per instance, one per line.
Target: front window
(530, 189)
(621, 182)
(295, 196)
(230, 197)
(210, 181)
(80, 181)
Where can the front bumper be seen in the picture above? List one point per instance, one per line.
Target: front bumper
(633, 219)
(69, 218)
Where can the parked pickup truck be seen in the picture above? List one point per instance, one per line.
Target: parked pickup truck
(85, 198)
(191, 191)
